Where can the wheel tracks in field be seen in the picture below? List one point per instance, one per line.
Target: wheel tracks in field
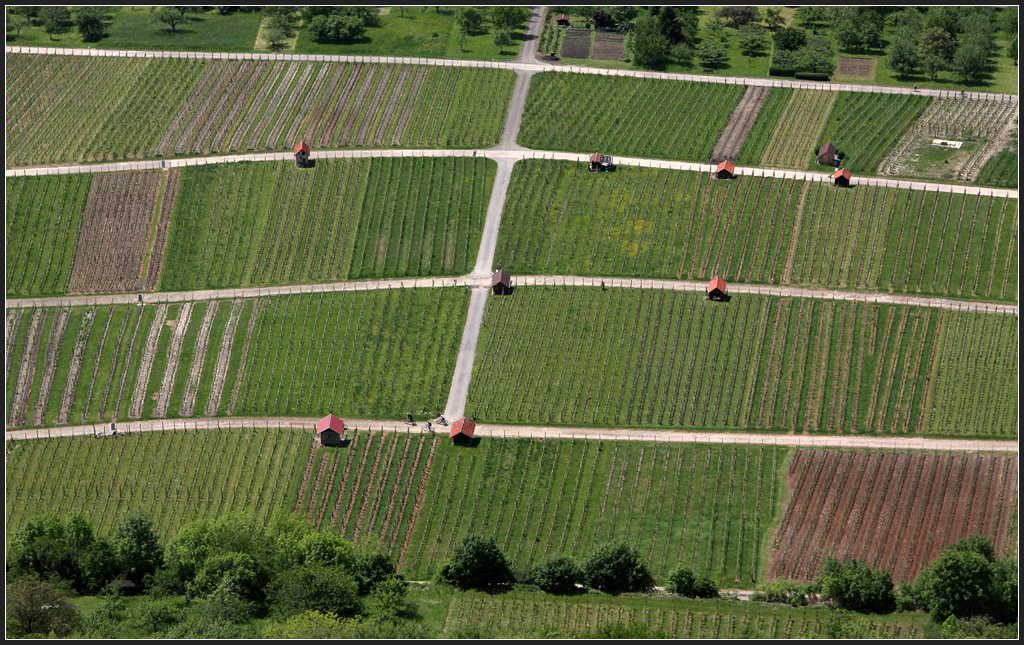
(50, 364)
(19, 400)
(735, 131)
(148, 356)
(188, 403)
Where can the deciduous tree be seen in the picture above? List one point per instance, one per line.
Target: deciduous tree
(616, 568)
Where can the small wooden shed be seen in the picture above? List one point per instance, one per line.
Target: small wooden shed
(600, 162)
(716, 289)
(562, 20)
(301, 154)
(726, 170)
(461, 432)
(501, 282)
(841, 178)
(329, 430)
(827, 154)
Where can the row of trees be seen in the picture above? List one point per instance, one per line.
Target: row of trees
(56, 20)
(673, 33)
(229, 569)
(477, 563)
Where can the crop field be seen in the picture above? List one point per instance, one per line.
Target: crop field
(897, 512)
(866, 127)
(576, 43)
(374, 353)
(343, 219)
(796, 128)
(1000, 170)
(646, 222)
(763, 127)
(608, 46)
(635, 358)
(41, 228)
(167, 107)
(520, 612)
(175, 477)
(626, 116)
(731, 140)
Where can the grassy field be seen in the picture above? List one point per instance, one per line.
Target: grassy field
(175, 477)
(376, 353)
(644, 222)
(79, 109)
(632, 358)
(343, 219)
(866, 127)
(522, 613)
(1001, 170)
(626, 116)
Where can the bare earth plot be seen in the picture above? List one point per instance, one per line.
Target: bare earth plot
(735, 132)
(863, 67)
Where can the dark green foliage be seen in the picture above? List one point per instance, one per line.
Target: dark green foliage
(712, 53)
(340, 24)
(170, 17)
(154, 613)
(55, 549)
(470, 19)
(372, 565)
(557, 575)
(56, 19)
(901, 55)
(100, 564)
(138, 547)
(330, 590)
(684, 582)
(476, 563)
(790, 38)
(789, 592)
(507, 18)
(35, 607)
(650, 48)
(966, 580)
(616, 568)
(737, 16)
(855, 586)
(328, 549)
(238, 572)
(970, 62)
(936, 48)
(89, 21)
(977, 627)
(753, 40)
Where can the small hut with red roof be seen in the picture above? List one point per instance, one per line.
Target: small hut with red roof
(827, 154)
(716, 289)
(562, 20)
(301, 154)
(841, 178)
(501, 282)
(329, 430)
(461, 432)
(725, 170)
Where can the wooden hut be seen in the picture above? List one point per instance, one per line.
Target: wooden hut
(600, 162)
(716, 289)
(329, 430)
(501, 282)
(461, 432)
(827, 154)
(725, 170)
(301, 154)
(841, 178)
(562, 20)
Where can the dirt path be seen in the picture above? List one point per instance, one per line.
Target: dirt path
(537, 432)
(735, 133)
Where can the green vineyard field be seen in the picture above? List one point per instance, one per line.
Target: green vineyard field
(343, 219)
(373, 354)
(83, 109)
(626, 116)
(866, 127)
(635, 358)
(764, 125)
(646, 222)
(1000, 171)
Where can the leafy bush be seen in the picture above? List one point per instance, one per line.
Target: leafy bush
(330, 590)
(476, 563)
(854, 585)
(557, 575)
(789, 592)
(967, 580)
(812, 76)
(684, 582)
(616, 568)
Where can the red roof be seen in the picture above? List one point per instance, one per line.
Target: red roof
(501, 277)
(716, 283)
(303, 146)
(563, 17)
(828, 147)
(330, 422)
(841, 173)
(595, 158)
(462, 426)
(726, 165)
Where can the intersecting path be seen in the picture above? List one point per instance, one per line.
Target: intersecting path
(874, 442)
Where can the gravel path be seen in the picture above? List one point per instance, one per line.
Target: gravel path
(547, 432)
(535, 66)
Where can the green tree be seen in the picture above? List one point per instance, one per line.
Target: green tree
(737, 16)
(17, 21)
(936, 48)
(390, 599)
(275, 35)
(56, 19)
(236, 570)
(669, 25)
(684, 582)
(502, 38)
(944, 18)
(901, 56)
(469, 20)
(51, 548)
(100, 565)
(753, 40)
(855, 586)
(170, 17)
(1003, 602)
(138, 547)
(89, 21)
(330, 590)
(476, 563)
(623, 16)
(154, 613)
(35, 607)
(557, 575)
(648, 46)
(773, 18)
(616, 568)
(373, 564)
(711, 52)
(976, 627)
(970, 62)
(328, 549)
(789, 38)
(508, 18)
(958, 583)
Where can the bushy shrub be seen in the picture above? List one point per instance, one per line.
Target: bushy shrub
(476, 563)
(616, 568)
(684, 582)
(557, 575)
